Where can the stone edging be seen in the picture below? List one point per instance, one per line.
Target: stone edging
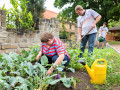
(108, 45)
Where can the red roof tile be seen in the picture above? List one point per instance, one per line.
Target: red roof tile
(49, 14)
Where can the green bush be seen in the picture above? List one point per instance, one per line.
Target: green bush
(17, 18)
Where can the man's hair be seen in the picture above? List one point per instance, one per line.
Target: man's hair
(46, 36)
(105, 23)
(78, 7)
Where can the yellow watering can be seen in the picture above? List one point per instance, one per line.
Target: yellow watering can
(97, 71)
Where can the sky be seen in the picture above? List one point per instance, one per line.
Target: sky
(48, 5)
(6, 2)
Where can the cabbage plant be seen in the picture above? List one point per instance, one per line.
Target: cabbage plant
(18, 72)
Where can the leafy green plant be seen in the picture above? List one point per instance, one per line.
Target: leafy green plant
(63, 34)
(18, 72)
(31, 54)
(113, 23)
(112, 58)
(74, 52)
(19, 19)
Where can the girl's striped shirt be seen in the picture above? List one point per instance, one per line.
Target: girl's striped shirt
(56, 48)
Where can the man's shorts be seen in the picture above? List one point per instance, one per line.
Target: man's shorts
(103, 40)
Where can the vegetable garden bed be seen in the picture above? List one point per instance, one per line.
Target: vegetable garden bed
(23, 72)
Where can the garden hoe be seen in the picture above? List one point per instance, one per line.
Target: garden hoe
(86, 34)
(83, 36)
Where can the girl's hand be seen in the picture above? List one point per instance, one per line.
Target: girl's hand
(49, 72)
(38, 57)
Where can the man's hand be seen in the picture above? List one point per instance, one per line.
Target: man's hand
(93, 26)
(79, 39)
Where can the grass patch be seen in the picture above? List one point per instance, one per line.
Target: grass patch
(114, 42)
(113, 67)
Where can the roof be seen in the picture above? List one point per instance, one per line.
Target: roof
(49, 14)
(115, 28)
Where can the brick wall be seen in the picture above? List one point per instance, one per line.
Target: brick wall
(11, 41)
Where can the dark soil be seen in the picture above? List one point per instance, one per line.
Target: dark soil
(83, 84)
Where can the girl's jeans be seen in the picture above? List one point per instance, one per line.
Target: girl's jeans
(54, 58)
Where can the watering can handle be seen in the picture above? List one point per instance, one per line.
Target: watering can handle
(100, 60)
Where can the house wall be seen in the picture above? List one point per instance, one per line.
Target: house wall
(67, 26)
(68, 29)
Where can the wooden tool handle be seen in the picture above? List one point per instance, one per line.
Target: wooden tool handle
(85, 34)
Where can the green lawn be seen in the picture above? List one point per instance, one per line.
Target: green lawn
(15, 67)
(113, 65)
(114, 42)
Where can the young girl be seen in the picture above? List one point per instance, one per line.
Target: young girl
(54, 49)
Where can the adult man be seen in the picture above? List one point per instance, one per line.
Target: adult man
(103, 32)
(87, 20)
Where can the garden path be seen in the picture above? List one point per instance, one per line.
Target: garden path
(116, 47)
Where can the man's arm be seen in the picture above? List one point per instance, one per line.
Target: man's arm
(96, 21)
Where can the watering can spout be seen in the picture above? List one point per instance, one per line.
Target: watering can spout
(82, 62)
(90, 71)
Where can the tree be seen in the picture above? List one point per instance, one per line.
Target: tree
(17, 18)
(115, 12)
(36, 7)
(104, 7)
(63, 34)
(113, 23)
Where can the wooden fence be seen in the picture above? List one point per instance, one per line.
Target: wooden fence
(113, 36)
